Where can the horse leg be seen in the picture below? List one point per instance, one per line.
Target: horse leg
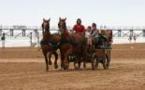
(56, 58)
(62, 57)
(79, 64)
(108, 61)
(75, 65)
(65, 64)
(78, 61)
(104, 62)
(84, 62)
(93, 63)
(62, 60)
(75, 62)
(46, 61)
(50, 62)
(93, 66)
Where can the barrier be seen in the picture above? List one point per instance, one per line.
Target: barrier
(33, 35)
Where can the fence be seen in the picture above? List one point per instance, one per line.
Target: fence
(31, 36)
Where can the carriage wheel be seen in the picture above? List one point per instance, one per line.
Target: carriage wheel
(104, 61)
(108, 57)
(101, 60)
(97, 62)
(93, 61)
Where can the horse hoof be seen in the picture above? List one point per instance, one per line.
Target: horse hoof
(56, 67)
(93, 68)
(77, 68)
(47, 70)
(65, 68)
(107, 67)
(50, 63)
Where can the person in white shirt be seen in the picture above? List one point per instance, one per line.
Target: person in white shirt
(88, 36)
(95, 31)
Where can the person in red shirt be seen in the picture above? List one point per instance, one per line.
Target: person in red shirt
(79, 31)
(79, 28)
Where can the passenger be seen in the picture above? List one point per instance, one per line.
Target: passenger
(94, 32)
(88, 36)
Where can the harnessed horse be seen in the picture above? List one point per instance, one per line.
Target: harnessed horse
(47, 44)
(70, 46)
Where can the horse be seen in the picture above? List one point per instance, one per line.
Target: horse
(103, 48)
(49, 44)
(70, 46)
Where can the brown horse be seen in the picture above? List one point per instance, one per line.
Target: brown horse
(49, 44)
(70, 45)
(65, 45)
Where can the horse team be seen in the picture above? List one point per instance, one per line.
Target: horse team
(79, 45)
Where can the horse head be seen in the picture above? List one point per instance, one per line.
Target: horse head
(46, 28)
(46, 25)
(62, 25)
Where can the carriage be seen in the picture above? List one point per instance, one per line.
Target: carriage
(73, 47)
(99, 52)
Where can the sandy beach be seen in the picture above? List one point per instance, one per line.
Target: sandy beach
(24, 69)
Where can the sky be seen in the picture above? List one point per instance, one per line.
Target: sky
(102, 12)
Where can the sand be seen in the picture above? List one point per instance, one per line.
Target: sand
(24, 69)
